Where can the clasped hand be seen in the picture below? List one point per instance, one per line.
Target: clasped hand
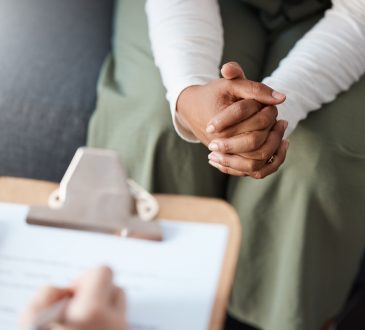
(237, 120)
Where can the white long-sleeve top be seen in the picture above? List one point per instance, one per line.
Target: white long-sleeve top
(187, 43)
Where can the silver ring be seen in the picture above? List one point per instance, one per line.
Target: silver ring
(271, 159)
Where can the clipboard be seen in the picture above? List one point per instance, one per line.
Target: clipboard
(190, 209)
(96, 195)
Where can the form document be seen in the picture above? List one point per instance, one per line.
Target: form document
(170, 285)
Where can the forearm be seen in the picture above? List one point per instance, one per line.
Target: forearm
(325, 62)
(187, 43)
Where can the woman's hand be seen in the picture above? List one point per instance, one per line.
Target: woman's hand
(236, 119)
(233, 156)
(247, 104)
(95, 303)
(256, 153)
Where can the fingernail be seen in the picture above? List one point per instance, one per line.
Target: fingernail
(235, 64)
(210, 129)
(214, 164)
(213, 146)
(286, 144)
(285, 124)
(278, 96)
(214, 157)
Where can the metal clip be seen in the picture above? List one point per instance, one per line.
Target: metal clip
(95, 195)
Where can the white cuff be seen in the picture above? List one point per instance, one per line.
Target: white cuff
(294, 109)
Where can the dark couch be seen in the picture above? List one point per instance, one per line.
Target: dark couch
(51, 52)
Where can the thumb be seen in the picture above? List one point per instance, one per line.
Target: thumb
(43, 300)
(232, 70)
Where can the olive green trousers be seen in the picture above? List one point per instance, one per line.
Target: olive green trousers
(304, 226)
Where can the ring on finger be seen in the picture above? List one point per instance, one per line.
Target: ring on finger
(270, 160)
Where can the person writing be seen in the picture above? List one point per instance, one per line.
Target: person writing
(95, 303)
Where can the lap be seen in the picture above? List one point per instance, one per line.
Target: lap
(133, 116)
(303, 229)
(286, 217)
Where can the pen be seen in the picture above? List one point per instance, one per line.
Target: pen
(53, 314)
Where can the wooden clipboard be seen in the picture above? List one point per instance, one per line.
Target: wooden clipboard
(206, 210)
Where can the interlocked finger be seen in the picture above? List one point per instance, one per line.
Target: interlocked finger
(240, 166)
(237, 162)
(239, 144)
(227, 170)
(262, 120)
(234, 114)
(277, 162)
(271, 145)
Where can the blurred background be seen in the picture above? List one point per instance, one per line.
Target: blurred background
(51, 52)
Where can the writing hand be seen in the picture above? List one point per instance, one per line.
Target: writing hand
(95, 303)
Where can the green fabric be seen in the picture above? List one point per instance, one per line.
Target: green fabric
(133, 116)
(303, 232)
(277, 14)
(303, 227)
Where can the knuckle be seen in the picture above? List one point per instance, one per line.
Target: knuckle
(250, 142)
(238, 111)
(225, 162)
(258, 175)
(264, 120)
(254, 104)
(253, 141)
(264, 154)
(255, 88)
(272, 111)
(252, 166)
(216, 122)
(276, 139)
(226, 147)
(257, 106)
(270, 114)
(275, 111)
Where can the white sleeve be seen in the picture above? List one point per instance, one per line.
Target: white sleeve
(325, 62)
(187, 43)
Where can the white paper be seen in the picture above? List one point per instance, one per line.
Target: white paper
(170, 285)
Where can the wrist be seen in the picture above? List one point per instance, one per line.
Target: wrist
(185, 105)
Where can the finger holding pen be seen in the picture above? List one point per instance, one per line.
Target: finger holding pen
(99, 304)
(93, 303)
(45, 297)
